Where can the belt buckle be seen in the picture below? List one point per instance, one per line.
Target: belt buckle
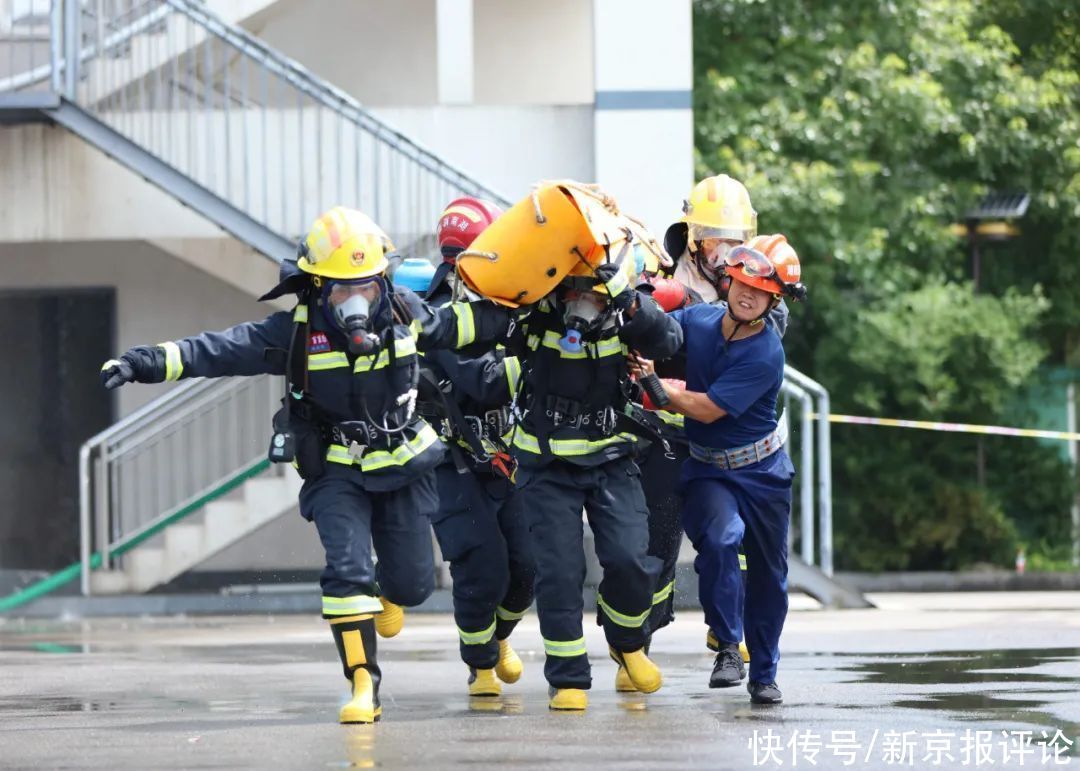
(357, 450)
(606, 419)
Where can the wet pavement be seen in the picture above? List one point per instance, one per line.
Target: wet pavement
(958, 681)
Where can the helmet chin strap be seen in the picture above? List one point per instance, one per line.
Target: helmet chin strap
(739, 323)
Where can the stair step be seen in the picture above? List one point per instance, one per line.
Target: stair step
(144, 567)
(223, 523)
(184, 546)
(267, 497)
(109, 582)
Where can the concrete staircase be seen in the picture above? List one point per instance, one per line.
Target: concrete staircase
(186, 544)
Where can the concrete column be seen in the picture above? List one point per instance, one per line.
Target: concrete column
(454, 44)
(643, 137)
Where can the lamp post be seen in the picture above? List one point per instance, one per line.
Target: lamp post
(990, 220)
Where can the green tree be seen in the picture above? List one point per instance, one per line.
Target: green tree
(863, 130)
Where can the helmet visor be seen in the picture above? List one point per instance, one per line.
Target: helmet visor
(698, 232)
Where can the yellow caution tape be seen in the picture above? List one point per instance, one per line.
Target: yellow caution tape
(957, 428)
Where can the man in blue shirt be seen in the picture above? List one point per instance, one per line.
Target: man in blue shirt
(737, 483)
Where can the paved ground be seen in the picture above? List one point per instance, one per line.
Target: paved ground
(912, 682)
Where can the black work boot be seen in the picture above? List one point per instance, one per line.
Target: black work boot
(764, 693)
(729, 669)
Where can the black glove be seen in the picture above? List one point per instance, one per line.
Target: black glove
(141, 364)
(618, 287)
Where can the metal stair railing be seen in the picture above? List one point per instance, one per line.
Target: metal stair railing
(245, 122)
(175, 450)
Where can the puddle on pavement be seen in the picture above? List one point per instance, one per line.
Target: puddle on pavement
(963, 667)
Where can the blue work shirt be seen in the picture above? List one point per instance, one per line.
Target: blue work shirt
(742, 380)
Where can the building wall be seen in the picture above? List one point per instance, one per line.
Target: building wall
(533, 53)
(158, 297)
(380, 51)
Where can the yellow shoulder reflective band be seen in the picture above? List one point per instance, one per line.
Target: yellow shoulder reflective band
(513, 373)
(565, 648)
(630, 622)
(174, 365)
(300, 314)
(466, 325)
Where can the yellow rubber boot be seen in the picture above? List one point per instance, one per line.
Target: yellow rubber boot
(509, 668)
(354, 637)
(640, 669)
(391, 620)
(744, 652)
(568, 699)
(482, 682)
(363, 707)
(623, 683)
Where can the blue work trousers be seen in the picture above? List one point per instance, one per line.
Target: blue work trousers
(751, 507)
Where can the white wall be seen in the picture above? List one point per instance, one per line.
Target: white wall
(380, 51)
(506, 148)
(644, 122)
(534, 52)
(157, 297)
(67, 190)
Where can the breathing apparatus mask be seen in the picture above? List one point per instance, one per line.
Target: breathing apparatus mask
(353, 307)
(584, 312)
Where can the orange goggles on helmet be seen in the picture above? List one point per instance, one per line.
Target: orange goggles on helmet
(755, 265)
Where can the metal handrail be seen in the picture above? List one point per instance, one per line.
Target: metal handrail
(203, 433)
(824, 463)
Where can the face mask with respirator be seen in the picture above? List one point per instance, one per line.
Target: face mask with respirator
(355, 315)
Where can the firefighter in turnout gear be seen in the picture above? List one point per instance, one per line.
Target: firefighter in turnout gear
(575, 444)
(348, 351)
(717, 217)
(737, 483)
(479, 524)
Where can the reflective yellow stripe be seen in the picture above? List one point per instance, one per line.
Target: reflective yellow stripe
(174, 365)
(403, 346)
(401, 454)
(509, 615)
(663, 594)
(378, 459)
(611, 346)
(569, 447)
(466, 325)
(340, 454)
(329, 360)
(416, 328)
(631, 622)
(618, 283)
(350, 606)
(533, 341)
(671, 418)
(742, 562)
(477, 638)
(300, 314)
(565, 648)
(513, 373)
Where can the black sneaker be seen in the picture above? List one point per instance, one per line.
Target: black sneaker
(729, 669)
(764, 693)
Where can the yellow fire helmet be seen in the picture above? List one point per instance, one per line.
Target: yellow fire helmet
(344, 244)
(718, 207)
(560, 227)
